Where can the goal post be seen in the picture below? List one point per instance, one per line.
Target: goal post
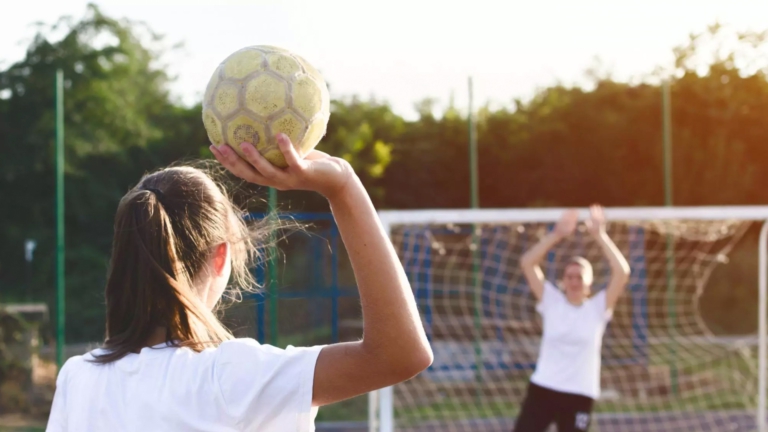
(663, 368)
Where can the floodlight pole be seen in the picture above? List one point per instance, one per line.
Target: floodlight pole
(474, 193)
(60, 281)
(666, 98)
(667, 142)
(474, 198)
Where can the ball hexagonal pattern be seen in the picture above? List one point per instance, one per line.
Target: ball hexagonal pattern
(260, 91)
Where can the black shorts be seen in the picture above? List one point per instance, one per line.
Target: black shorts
(542, 407)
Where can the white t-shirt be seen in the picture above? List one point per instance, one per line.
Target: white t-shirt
(239, 386)
(569, 357)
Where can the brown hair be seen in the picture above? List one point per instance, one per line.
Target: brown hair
(586, 267)
(166, 228)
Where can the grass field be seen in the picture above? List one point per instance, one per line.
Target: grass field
(701, 385)
(716, 391)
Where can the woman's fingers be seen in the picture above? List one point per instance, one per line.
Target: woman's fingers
(292, 157)
(236, 165)
(272, 173)
(317, 171)
(231, 161)
(597, 212)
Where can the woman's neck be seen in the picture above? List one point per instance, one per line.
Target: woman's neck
(576, 301)
(158, 336)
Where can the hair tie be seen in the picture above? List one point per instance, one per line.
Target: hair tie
(157, 193)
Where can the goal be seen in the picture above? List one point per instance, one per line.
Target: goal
(667, 363)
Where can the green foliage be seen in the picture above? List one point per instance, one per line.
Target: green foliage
(363, 133)
(565, 146)
(119, 124)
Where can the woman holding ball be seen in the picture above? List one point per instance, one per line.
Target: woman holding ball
(168, 364)
(566, 382)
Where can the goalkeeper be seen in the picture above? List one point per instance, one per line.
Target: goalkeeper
(566, 381)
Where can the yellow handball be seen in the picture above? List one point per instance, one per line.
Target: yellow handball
(261, 91)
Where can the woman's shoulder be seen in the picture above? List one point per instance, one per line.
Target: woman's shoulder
(76, 362)
(240, 345)
(552, 288)
(71, 367)
(247, 348)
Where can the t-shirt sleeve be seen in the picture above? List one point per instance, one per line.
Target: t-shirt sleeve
(267, 387)
(551, 296)
(57, 419)
(599, 304)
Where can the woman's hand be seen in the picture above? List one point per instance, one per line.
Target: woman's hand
(567, 223)
(317, 171)
(596, 222)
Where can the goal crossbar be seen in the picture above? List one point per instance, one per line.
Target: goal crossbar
(522, 215)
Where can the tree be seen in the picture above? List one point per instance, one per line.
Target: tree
(115, 102)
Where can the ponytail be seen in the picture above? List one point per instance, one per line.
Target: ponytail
(165, 229)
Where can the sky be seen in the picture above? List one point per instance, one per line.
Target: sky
(402, 51)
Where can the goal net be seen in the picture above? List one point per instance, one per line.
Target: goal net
(663, 366)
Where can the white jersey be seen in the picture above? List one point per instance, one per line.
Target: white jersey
(569, 357)
(239, 386)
